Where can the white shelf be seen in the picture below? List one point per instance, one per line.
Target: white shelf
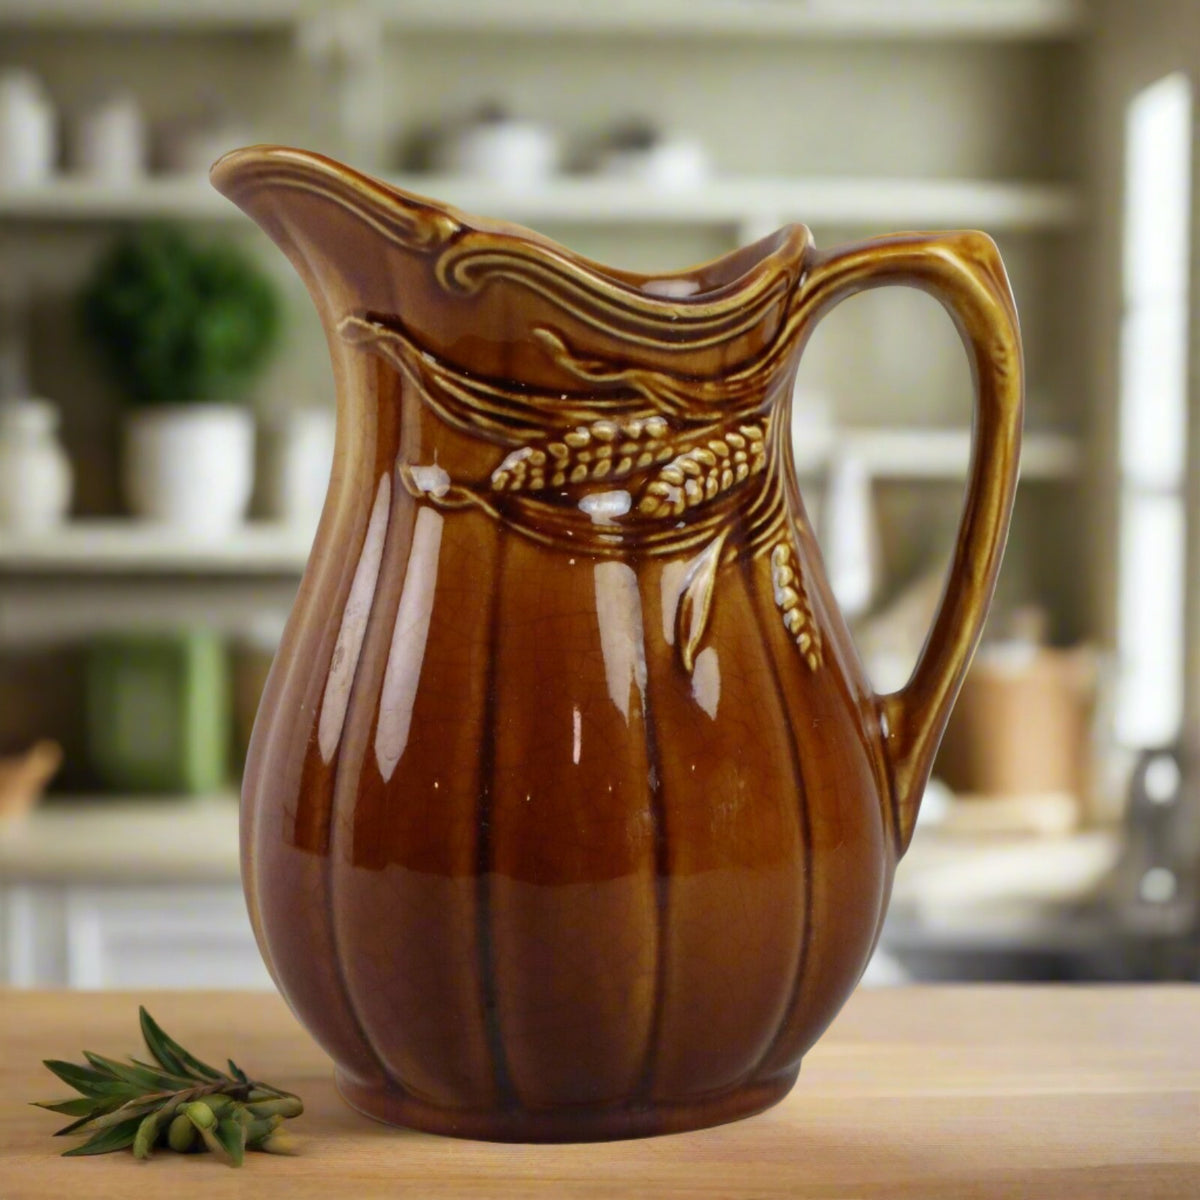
(932, 454)
(885, 203)
(992, 892)
(123, 839)
(862, 19)
(740, 202)
(125, 546)
(119, 546)
(74, 199)
(200, 15)
(764, 18)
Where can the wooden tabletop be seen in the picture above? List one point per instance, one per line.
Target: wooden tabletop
(914, 1092)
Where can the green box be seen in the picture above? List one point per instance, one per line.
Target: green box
(159, 711)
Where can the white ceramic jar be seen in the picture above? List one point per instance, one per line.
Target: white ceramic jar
(28, 130)
(849, 538)
(109, 140)
(501, 149)
(674, 163)
(297, 467)
(190, 145)
(35, 473)
(190, 466)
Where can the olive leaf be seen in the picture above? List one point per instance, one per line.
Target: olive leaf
(70, 1108)
(74, 1125)
(176, 1079)
(143, 1078)
(170, 1053)
(86, 1080)
(116, 1137)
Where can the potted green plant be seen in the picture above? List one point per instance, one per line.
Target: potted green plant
(183, 327)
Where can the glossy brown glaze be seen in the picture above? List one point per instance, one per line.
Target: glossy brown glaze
(569, 812)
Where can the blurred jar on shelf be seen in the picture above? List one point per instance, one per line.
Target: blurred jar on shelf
(108, 140)
(494, 145)
(849, 537)
(639, 151)
(297, 461)
(158, 711)
(1022, 727)
(28, 130)
(35, 472)
(190, 144)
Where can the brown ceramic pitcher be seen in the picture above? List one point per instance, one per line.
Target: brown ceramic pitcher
(569, 812)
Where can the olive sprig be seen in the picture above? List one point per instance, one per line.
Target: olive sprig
(177, 1100)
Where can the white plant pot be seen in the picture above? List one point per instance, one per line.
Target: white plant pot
(190, 466)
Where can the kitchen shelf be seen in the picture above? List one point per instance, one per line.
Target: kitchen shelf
(74, 199)
(765, 18)
(977, 893)
(1019, 888)
(932, 454)
(175, 15)
(122, 546)
(124, 839)
(739, 202)
(861, 19)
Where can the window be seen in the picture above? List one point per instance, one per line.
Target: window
(1152, 430)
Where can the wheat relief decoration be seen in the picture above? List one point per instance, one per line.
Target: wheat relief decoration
(603, 450)
(792, 601)
(568, 478)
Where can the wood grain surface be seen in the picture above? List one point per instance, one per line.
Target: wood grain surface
(914, 1092)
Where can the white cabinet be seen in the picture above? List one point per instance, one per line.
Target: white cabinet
(113, 936)
(126, 894)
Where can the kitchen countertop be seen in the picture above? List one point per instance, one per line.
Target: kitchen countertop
(914, 1092)
(195, 840)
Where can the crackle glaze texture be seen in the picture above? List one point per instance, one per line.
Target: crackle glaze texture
(569, 812)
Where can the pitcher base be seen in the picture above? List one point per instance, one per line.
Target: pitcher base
(570, 1123)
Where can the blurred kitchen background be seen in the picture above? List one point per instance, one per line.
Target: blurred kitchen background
(166, 426)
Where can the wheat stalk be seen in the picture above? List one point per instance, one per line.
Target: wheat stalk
(602, 450)
(794, 604)
(702, 472)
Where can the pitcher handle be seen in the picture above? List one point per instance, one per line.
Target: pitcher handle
(964, 272)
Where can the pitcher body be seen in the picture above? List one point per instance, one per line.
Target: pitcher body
(569, 813)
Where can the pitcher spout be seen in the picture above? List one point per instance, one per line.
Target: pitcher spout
(506, 302)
